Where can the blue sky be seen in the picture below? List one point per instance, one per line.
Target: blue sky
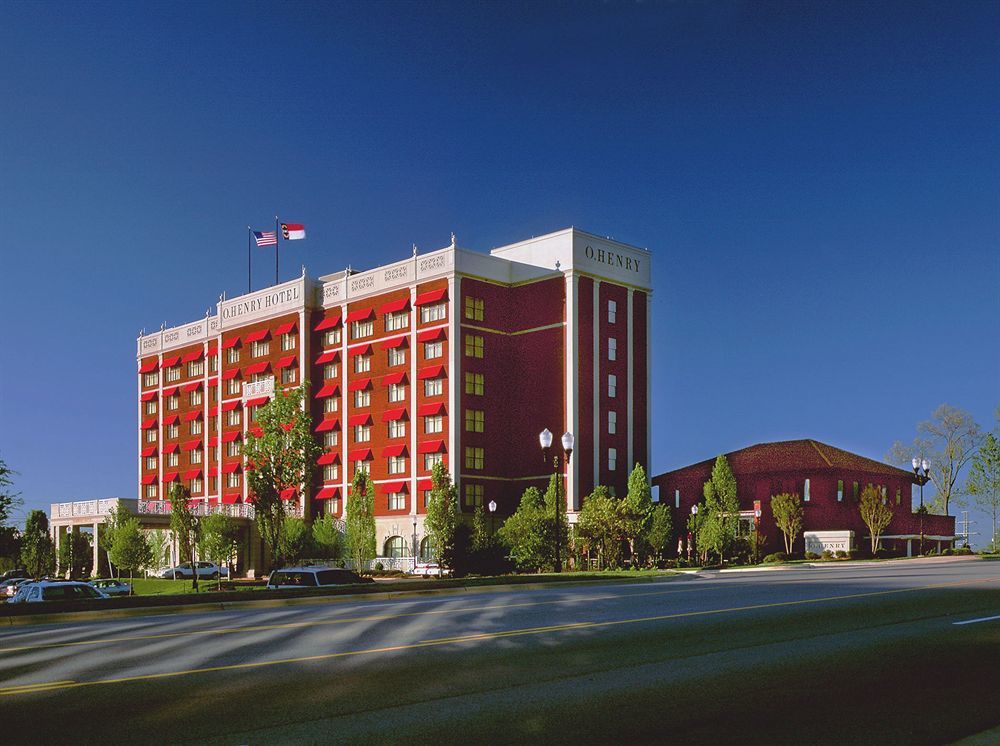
(817, 183)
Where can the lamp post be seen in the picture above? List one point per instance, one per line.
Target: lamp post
(921, 473)
(492, 507)
(414, 545)
(545, 440)
(694, 512)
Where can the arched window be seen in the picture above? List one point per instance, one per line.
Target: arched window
(426, 549)
(395, 547)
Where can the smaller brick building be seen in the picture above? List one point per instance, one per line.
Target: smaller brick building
(828, 479)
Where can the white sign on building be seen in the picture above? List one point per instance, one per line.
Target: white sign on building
(833, 541)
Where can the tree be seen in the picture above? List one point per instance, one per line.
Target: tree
(948, 441)
(75, 554)
(983, 482)
(660, 531)
(787, 511)
(220, 535)
(361, 521)
(37, 550)
(599, 524)
(874, 512)
(184, 524)
(442, 512)
(117, 517)
(328, 538)
(296, 540)
(9, 500)
(129, 549)
(720, 524)
(527, 533)
(635, 509)
(554, 494)
(159, 545)
(480, 532)
(282, 457)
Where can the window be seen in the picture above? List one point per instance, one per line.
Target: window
(173, 431)
(427, 498)
(612, 459)
(899, 496)
(473, 458)
(474, 308)
(396, 321)
(233, 448)
(397, 501)
(855, 487)
(432, 458)
(172, 459)
(288, 374)
(612, 386)
(196, 368)
(397, 356)
(150, 379)
(196, 427)
(151, 462)
(361, 329)
(433, 424)
(332, 370)
(473, 495)
(432, 349)
(331, 338)
(233, 417)
(474, 420)
(173, 402)
(173, 374)
(474, 384)
(196, 455)
(232, 387)
(151, 407)
(882, 491)
(362, 363)
(213, 485)
(612, 348)
(677, 498)
(473, 345)
(151, 436)
(331, 438)
(805, 491)
(214, 453)
(612, 422)
(260, 349)
(397, 428)
(331, 472)
(432, 313)
(362, 398)
(612, 311)
(397, 464)
(433, 387)
(151, 491)
(362, 433)
(840, 490)
(213, 364)
(196, 485)
(288, 342)
(233, 355)
(195, 398)
(215, 394)
(397, 392)
(233, 479)
(361, 466)
(331, 404)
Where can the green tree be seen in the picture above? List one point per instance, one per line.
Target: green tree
(553, 494)
(129, 549)
(37, 550)
(720, 524)
(296, 540)
(983, 482)
(159, 545)
(184, 523)
(75, 554)
(948, 441)
(599, 525)
(635, 510)
(9, 500)
(480, 531)
(442, 512)
(328, 538)
(361, 521)
(660, 531)
(875, 513)
(787, 511)
(116, 518)
(282, 457)
(527, 533)
(220, 536)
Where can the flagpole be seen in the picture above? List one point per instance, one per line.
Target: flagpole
(249, 254)
(278, 240)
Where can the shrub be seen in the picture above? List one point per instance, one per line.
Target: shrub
(812, 556)
(852, 554)
(948, 552)
(379, 567)
(827, 554)
(842, 554)
(774, 558)
(963, 550)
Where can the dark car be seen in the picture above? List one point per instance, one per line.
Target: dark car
(314, 577)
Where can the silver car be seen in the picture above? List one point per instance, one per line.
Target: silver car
(208, 570)
(56, 590)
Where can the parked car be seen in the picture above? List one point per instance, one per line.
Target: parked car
(9, 586)
(313, 576)
(56, 590)
(112, 587)
(429, 569)
(20, 572)
(184, 571)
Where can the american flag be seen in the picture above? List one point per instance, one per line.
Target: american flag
(266, 238)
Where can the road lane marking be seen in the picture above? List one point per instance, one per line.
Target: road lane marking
(481, 637)
(976, 621)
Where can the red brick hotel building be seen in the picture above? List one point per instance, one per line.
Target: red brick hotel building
(453, 356)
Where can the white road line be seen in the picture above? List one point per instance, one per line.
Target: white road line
(974, 621)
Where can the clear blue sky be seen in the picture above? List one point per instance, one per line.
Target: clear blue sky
(818, 183)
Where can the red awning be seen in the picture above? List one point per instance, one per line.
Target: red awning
(148, 396)
(191, 445)
(360, 454)
(213, 347)
(391, 378)
(327, 493)
(213, 439)
(286, 328)
(231, 498)
(396, 450)
(359, 350)
(213, 382)
(362, 315)
(213, 501)
(231, 436)
(431, 371)
(392, 343)
(149, 366)
(231, 342)
(148, 424)
(255, 430)
(192, 416)
(170, 419)
(147, 452)
(288, 361)
(431, 296)
(425, 484)
(231, 373)
(170, 391)
(331, 424)
(171, 447)
(394, 306)
(258, 336)
(429, 410)
(329, 322)
(329, 389)
(328, 357)
(399, 486)
(257, 401)
(359, 385)
(192, 356)
(331, 457)
(170, 476)
(431, 446)
(149, 479)
(230, 467)
(189, 387)
(192, 474)
(231, 405)
(391, 415)
(213, 470)
(288, 493)
(257, 368)
(359, 419)
(170, 362)
(430, 335)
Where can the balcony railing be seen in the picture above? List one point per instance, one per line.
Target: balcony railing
(162, 507)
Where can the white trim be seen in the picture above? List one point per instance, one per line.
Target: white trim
(572, 387)
(597, 383)
(630, 383)
(455, 375)
(412, 399)
(648, 294)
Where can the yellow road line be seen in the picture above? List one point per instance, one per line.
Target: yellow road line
(485, 636)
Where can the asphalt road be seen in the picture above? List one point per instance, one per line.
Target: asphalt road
(859, 654)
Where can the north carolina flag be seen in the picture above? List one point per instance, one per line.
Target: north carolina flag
(293, 231)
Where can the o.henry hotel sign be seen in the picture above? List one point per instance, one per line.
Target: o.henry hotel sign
(261, 303)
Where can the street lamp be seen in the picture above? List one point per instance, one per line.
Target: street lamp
(492, 508)
(414, 545)
(921, 473)
(545, 440)
(691, 534)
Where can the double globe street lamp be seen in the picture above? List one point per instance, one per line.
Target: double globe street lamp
(545, 439)
(921, 472)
